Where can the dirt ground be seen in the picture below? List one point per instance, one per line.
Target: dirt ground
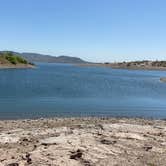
(83, 142)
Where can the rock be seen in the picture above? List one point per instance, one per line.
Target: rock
(27, 158)
(24, 139)
(123, 135)
(76, 155)
(132, 128)
(5, 138)
(55, 140)
(163, 143)
(158, 127)
(100, 126)
(13, 164)
(86, 163)
(51, 141)
(147, 148)
(107, 142)
(163, 79)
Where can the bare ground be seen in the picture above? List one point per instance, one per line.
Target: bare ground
(83, 142)
(17, 66)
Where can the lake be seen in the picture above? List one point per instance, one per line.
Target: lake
(66, 90)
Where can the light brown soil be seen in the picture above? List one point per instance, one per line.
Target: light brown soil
(83, 142)
(17, 66)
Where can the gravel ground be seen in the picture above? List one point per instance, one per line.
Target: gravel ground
(83, 142)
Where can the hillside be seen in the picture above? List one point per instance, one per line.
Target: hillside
(34, 57)
(11, 60)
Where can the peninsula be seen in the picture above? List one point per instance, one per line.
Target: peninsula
(133, 65)
(10, 60)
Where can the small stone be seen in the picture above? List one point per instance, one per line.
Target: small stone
(76, 155)
(163, 143)
(107, 142)
(29, 160)
(13, 164)
(147, 148)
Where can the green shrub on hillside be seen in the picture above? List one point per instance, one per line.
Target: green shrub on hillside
(14, 59)
(21, 60)
(11, 59)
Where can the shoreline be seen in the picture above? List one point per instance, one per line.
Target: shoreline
(84, 141)
(19, 66)
(82, 118)
(114, 66)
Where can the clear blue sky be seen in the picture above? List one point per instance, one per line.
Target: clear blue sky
(95, 30)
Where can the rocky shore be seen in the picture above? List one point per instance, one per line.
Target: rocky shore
(83, 142)
(163, 79)
(18, 66)
(134, 65)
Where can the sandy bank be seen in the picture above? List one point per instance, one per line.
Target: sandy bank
(83, 141)
(17, 66)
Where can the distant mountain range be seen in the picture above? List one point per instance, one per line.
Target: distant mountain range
(35, 57)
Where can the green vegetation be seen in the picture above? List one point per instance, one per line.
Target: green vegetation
(9, 57)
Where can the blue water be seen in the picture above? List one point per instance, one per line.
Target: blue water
(68, 90)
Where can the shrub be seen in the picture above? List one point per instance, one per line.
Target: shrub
(11, 59)
(21, 60)
(14, 59)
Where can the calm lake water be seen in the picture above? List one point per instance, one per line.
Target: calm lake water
(67, 90)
